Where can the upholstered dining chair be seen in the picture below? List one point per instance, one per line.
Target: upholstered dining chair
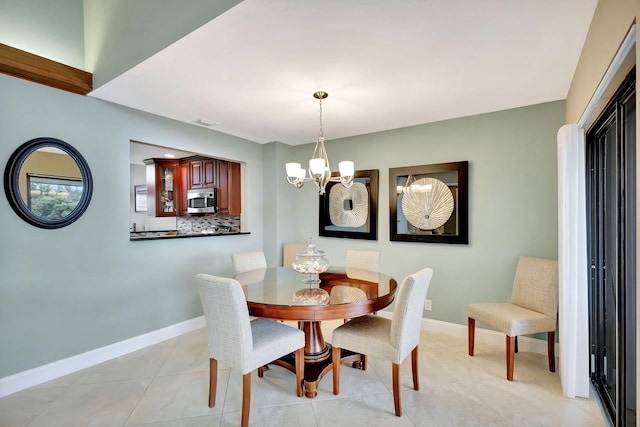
(289, 252)
(364, 260)
(248, 261)
(388, 339)
(363, 265)
(240, 343)
(533, 309)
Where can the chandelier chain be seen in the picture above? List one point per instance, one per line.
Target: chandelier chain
(321, 132)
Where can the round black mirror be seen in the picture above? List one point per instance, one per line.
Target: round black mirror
(48, 183)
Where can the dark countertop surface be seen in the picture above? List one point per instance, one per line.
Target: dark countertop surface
(172, 234)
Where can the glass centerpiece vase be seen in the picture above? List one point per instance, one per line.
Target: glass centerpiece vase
(311, 262)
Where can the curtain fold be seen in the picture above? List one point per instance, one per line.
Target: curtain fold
(573, 318)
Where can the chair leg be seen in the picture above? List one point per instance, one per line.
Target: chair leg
(414, 368)
(511, 342)
(471, 331)
(516, 346)
(551, 344)
(396, 388)
(335, 355)
(246, 399)
(213, 381)
(260, 371)
(299, 370)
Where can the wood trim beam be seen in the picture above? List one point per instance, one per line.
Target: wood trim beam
(25, 65)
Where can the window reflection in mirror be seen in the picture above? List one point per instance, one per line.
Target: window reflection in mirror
(50, 183)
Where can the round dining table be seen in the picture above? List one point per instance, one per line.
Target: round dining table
(275, 293)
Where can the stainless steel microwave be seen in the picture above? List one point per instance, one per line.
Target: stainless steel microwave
(202, 200)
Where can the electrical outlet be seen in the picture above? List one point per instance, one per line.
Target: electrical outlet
(427, 304)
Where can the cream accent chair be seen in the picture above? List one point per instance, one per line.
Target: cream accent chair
(242, 344)
(533, 309)
(248, 261)
(389, 339)
(289, 252)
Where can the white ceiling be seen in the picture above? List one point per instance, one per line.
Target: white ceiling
(385, 64)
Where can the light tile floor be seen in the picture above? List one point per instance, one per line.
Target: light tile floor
(165, 385)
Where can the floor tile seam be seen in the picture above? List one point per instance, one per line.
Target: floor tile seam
(314, 412)
(114, 380)
(303, 401)
(134, 407)
(334, 397)
(172, 374)
(588, 413)
(498, 413)
(226, 391)
(409, 417)
(487, 403)
(68, 389)
(30, 422)
(185, 417)
(166, 358)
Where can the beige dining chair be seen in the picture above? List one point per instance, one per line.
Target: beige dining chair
(363, 265)
(388, 339)
(240, 343)
(289, 251)
(533, 309)
(364, 260)
(248, 261)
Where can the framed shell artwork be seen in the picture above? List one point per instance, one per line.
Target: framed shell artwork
(429, 203)
(351, 212)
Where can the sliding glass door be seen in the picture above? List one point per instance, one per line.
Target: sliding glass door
(611, 218)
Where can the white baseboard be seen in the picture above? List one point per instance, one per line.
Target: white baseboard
(487, 336)
(59, 368)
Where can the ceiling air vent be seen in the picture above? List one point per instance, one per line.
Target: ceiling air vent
(205, 122)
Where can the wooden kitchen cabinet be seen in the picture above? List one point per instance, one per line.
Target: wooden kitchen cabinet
(223, 189)
(202, 173)
(164, 192)
(229, 189)
(169, 181)
(235, 196)
(185, 184)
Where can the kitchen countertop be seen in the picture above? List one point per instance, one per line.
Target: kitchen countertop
(173, 234)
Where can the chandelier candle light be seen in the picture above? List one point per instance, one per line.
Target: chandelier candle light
(319, 169)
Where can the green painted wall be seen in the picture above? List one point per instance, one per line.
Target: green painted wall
(52, 29)
(67, 291)
(512, 199)
(120, 34)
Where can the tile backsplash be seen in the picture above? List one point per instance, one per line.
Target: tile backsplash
(197, 223)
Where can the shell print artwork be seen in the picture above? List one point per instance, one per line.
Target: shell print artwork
(357, 216)
(427, 203)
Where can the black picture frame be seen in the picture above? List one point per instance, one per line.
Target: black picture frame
(369, 230)
(456, 229)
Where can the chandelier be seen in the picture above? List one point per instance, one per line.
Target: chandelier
(319, 169)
